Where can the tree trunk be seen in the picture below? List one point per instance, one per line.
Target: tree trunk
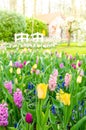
(69, 40)
(68, 34)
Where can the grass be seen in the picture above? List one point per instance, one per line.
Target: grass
(73, 49)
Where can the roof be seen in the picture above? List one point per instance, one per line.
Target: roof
(48, 18)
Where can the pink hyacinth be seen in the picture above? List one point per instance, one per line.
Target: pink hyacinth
(61, 65)
(37, 72)
(3, 115)
(55, 73)
(18, 98)
(53, 80)
(67, 79)
(8, 86)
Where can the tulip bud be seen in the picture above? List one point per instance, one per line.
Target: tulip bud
(29, 118)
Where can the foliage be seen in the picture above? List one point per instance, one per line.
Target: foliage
(35, 25)
(10, 23)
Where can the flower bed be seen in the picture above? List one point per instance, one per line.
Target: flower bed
(42, 91)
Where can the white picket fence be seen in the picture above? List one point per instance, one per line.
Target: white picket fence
(21, 37)
(36, 37)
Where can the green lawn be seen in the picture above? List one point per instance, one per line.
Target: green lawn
(72, 49)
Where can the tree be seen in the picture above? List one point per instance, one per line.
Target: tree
(72, 26)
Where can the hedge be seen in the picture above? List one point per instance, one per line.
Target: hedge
(34, 25)
(11, 23)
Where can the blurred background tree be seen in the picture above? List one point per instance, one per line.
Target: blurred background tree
(35, 7)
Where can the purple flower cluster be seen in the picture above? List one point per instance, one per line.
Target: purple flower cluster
(3, 115)
(73, 65)
(18, 98)
(17, 64)
(8, 86)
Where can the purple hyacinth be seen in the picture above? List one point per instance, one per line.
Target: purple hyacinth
(3, 115)
(8, 86)
(18, 64)
(18, 98)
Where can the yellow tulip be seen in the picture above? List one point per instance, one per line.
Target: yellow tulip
(79, 79)
(63, 97)
(33, 69)
(42, 90)
(61, 91)
(34, 66)
(11, 70)
(18, 71)
(16, 81)
(58, 96)
(10, 64)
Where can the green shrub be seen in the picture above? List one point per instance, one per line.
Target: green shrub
(11, 23)
(34, 25)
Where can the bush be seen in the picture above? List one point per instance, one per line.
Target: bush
(35, 25)
(11, 23)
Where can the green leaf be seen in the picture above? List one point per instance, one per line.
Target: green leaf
(80, 95)
(11, 128)
(54, 126)
(38, 114)
(52, 118)
(46, 127)
(78, 124)
(56, 103)
(45, 119)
